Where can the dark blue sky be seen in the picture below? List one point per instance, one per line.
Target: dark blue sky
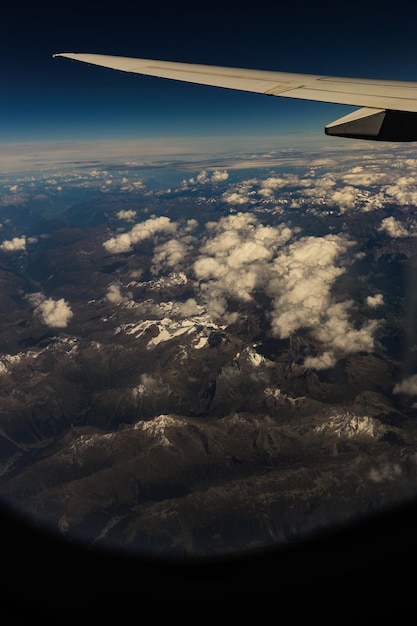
(56, 99)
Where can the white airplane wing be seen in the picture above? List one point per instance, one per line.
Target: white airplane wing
(389, 107)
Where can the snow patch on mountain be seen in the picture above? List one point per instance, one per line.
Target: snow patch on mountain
(275, 394)
(254, 358)
(173, 278)
(8, 361)
(69, 345)
(348, 425)
(157, 427)
(84, 442)
(170, 280)
(167, 329)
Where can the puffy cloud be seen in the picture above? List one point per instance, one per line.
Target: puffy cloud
(253, 189)
(125, 241)
(326, 188)
(191, 225)
(114, 295)
(305, 274)
(235, 260)
(337, 333)
(241, 258)
(374, 301)
(54, 313)
(148, 383)
(219, 176)
(360, 189)
(393, 227)
(203, 177)
(291, 180)
(359, 176)
(11, 245)
(407, 386)
(320, 187)
(236, 197)
(127, 215)
(346, 198)
(188, 308)
(271, 184)
(171, 253)
(321, 362)
(240, 194)
(295, 189)
(404, 190)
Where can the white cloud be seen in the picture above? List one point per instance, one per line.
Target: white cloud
(242, 192)
(346, 198)
(320, 187)
(393, 227)
(404, 190)
(302, 286)
(235, 260)
(171, 253)
(54, 313)
(241, 258)
(125, 241)
(304, 274)
(114, 295)
(337, 333)
(127, 215)
(11, 245)
(188, 308)
(271, 184)
(219, 176)
(204, 177)
(407, 386)
(362, 188)
(375, 301)
(236, 197)
(149, 381)
(321, 362)
(360, 176)
(191, 225)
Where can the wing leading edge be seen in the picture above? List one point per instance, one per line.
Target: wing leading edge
(389, 107)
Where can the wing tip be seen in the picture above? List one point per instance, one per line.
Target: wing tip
(69, 55)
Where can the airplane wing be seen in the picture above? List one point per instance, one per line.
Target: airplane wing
(388, 107)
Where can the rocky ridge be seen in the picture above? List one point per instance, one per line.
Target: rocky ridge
(165, 455)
